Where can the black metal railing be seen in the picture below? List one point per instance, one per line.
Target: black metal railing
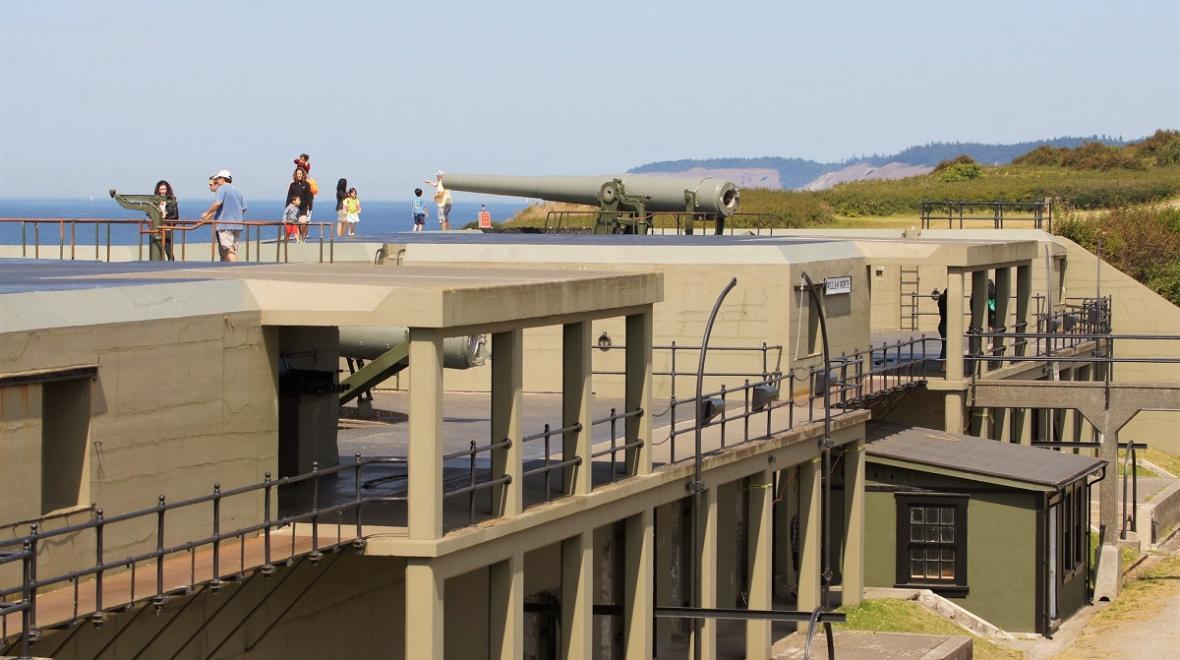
(25, 549)
(962, 212)
(615, 446)
(549, 463)
(475, 479)
(854, 380)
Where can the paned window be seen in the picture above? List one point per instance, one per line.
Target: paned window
(931, 542)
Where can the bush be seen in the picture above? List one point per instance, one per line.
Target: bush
(1042, 155)
(960, 172)
(1166, 282)
(1162, 148)
(1098, 156)
(963, 159)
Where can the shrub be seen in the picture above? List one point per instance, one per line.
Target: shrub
(960, 172)
(1098, 156)
(1166, 282)
(1042, 155)
(957, 160)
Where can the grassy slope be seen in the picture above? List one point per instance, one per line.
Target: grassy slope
(909, 617)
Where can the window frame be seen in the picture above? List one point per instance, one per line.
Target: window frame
(958, 585)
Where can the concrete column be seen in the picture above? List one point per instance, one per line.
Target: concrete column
(575, 400)
(1003, 424)
(507, 401)
(1108, 509)
(506, 608)
(953, 400)
(784, 568)
(810, 527)
(954, 325)
(638, 391)
(759, 547)
(1022, 423)
(424, 610)
(1023, 300)
(708, 575)
(425, 452)
(852, 567)
(639, 584)
(1003, 297)
(978, 314)
(577, 595)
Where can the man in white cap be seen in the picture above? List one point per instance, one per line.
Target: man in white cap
(442, 197)
(228, 207)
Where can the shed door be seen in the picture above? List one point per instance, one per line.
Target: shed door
(1052, 563)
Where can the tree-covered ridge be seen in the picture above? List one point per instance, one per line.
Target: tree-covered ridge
(797, 172)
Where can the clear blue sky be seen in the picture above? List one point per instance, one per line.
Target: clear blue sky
(118, 93)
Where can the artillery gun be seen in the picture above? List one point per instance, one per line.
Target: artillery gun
(625, 201)
(149, 204)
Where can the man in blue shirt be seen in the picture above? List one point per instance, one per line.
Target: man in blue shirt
(228, 207)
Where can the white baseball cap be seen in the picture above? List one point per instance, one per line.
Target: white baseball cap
(222, 174)
(439, 173)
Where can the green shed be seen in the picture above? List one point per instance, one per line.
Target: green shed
(1000, 529)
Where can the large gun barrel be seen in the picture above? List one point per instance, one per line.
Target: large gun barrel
(660, 194)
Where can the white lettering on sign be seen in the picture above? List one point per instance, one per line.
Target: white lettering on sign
(837, 285)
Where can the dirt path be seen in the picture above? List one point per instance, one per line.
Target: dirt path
(1143, 623)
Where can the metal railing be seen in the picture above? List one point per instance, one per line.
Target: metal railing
(1039, 213)
(704, 223)
(26, 549)
(476, 479)
(70, 247)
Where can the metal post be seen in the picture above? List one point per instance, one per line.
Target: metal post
(98, 530)
(696, 486)
(215, 583)
(826, 448)
(160, 548)
(267, 568)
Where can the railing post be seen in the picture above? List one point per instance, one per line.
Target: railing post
(160, 551)
(31, 597)
(215, 583)
(360, 535)
(267, 567)
(315, 555)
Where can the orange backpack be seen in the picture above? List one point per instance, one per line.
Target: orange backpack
(313, 186)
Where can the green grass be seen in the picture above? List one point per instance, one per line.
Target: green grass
(904, 616)
(1169, 462)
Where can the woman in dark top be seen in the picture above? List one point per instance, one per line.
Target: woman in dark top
(341, 195)
(299, 188)
(170, 212)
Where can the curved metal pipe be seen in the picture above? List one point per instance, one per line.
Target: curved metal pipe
(825, 446)
(698, 488)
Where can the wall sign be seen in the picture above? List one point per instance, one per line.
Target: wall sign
(837, 285)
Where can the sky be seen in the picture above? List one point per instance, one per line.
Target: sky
(99, 94)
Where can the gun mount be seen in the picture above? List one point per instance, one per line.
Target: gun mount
(149, 204)
(625, 201)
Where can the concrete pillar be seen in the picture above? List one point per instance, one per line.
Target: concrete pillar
(978, 315)
(1108, 510)
(638, 391)
(575, 400)
(1002, 424)
(507, 401)
(1022, 423)
(425, 452)
(1023, 300)
(577, 595)
(759, 547)
(954, 325)
(424, 610)
(639, 584)
(852, 566)
(810, 528)
(708, 576)
(506, 608)
(784, 509)
(953, 400)
(1003, 298)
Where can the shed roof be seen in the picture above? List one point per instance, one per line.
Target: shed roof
(976, 456)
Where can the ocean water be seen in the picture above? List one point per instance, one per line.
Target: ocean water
(377, 217)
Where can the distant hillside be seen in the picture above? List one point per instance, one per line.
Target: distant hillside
(798, 173)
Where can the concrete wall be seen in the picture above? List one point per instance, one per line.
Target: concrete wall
(764, 307)
(1001, 539)
(177, 405)
(1137, 310)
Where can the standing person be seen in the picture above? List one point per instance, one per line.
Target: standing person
(301, 189)
(228, 207)
(442, 197)
(352, 211)
(341, 195)
(418, 209)
(169, 210)
(291, 218)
